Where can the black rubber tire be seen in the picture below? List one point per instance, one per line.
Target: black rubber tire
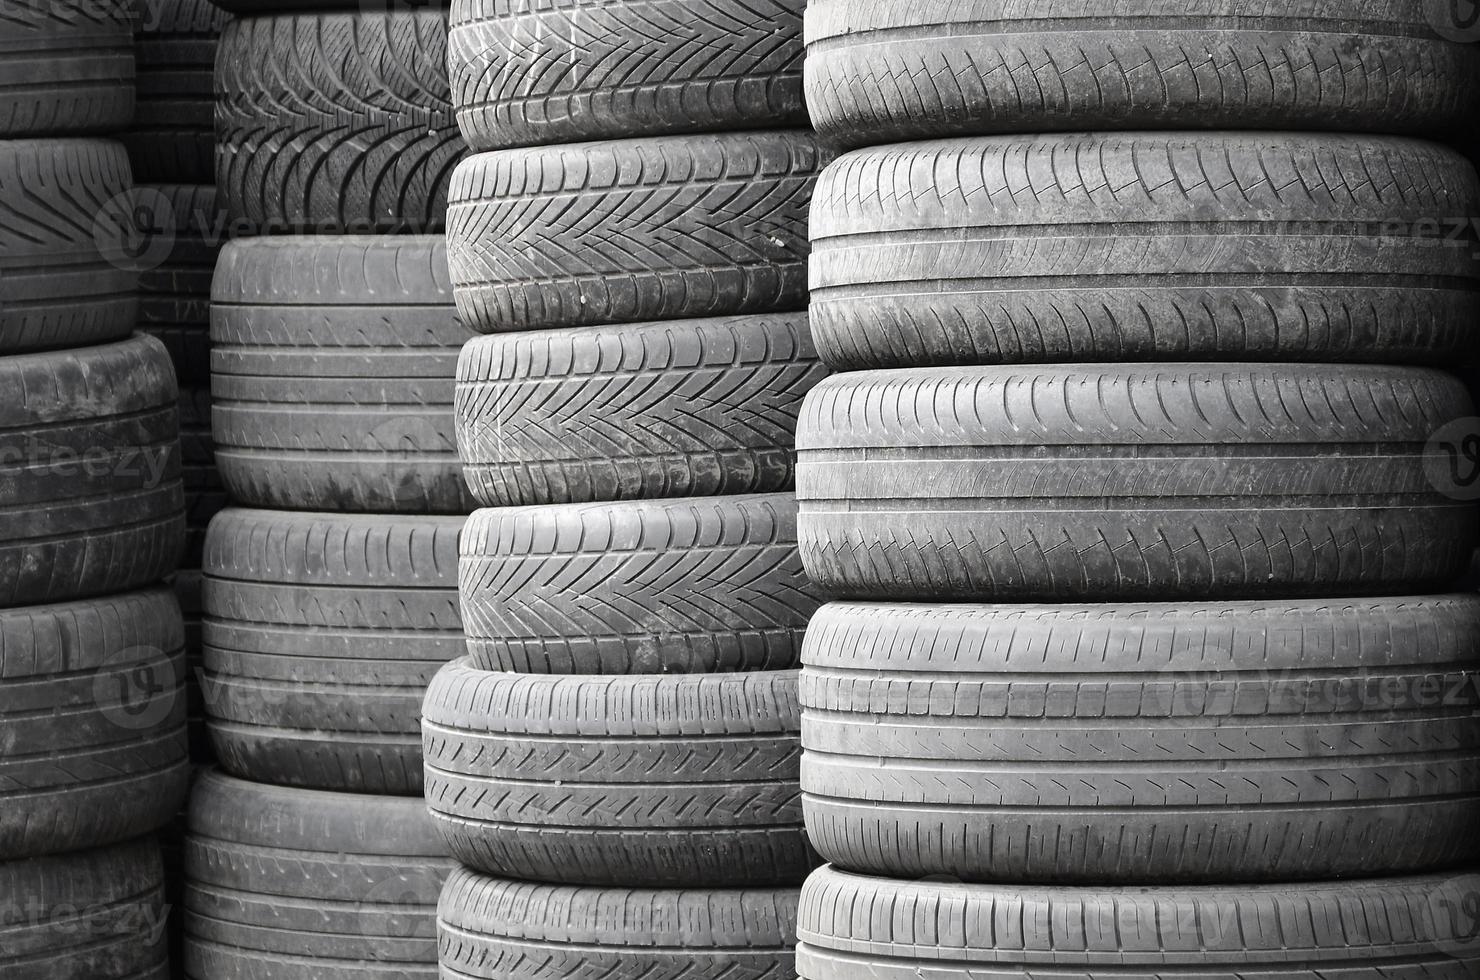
(93, 722)
(91, 500)
(63, 280)
(98, 914)
(335, 122)
(666, 782)
(256, 8)
(1146, 246)
(189, 586)
(1145, 744)
(185, 232)
(884, 72)
(172, 140)
(67, 68)
(205, 495)
(695, 585)
(332, 374)
(494, 928)
(678, 408)
(1383, 929)
(630, 230)
(528, 72)
(1131, 481)
(322, 632)
(294, 883)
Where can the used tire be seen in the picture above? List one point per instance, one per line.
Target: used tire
(185, 234)
(1144, 744)
(93, 723)
(293, 883)
(630, 230)
(64, 278)
(335, 122)
(680, 781)
(695, 585)
(98, 914)
(321, 634)
(90, 495)
(1146, 246)
(491, 928)
(851, 925)
(67, 68)
(172, 139)
(681, 408)
(526, 73)
(885, 72)
(1131, 481)
(333, 362)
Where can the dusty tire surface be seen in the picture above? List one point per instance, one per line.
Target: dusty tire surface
(68, 68)
(851, 925)
(91, 500)
(631, 230)
(333, 361)
(679, 781)
(1146, 246)
(322, 632)
(291, 882)
(63, 281)
(93, 722)
(1131, 481)
(172, 140)
(694, 585)
(885, 72)
(335, 122)
(488, 927)
(678, 408)
(98, 914)
(1144, 744)
(528, 73)
(187, 230)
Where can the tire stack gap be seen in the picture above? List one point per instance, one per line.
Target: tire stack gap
(615, 762)
(330, 583)
(1149, 660)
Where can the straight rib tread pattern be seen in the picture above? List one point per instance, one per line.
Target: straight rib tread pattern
(173, 138)
(68, 68)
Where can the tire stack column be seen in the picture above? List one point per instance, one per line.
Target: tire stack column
(93, 754)
(615, 761)
(330, 583)
(1135, 489)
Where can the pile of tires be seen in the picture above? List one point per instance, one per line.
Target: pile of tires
(330, 581)
(93, 746)
(1136, 497)
(614, 762)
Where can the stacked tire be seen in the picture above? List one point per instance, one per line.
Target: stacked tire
(1142, 493)
(329, 596)
(93, 755)
(614, 762)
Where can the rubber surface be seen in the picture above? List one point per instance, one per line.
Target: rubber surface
(333, 361)
(1129, 481)
(1143, 744)
(66, 68)
(631, 230)
(294, 883)
(1146, 246)
(335, 122)
(882, 72)
(173, 139)
(184, 233)
(90, 495)
(679, 408)
(205, 495)
(321, 634)
(98, 914)
(93, 723)
(490, 928)
(529, 72)
(1383, 929)
(696, 585)
(64, 278)
(681, 781)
